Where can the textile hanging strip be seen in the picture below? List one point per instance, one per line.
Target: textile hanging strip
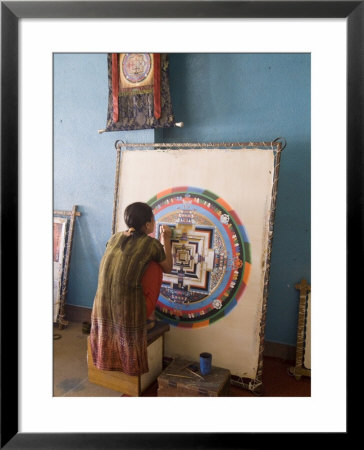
(157, 85)
(115, 87)
(139, 96)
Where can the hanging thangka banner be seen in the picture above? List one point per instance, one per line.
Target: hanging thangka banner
(139, 96)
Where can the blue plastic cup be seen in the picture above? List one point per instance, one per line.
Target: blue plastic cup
(205, 363)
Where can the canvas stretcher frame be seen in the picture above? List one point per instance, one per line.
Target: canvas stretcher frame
(250, 382)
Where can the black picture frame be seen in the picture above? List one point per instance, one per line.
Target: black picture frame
(11, 12)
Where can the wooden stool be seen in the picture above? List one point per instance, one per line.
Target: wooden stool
(127, 384)
(178, 381)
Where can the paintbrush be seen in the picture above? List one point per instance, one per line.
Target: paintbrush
(197, 375)
(176, 375)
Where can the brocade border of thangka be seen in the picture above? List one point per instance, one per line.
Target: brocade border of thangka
(254, 385)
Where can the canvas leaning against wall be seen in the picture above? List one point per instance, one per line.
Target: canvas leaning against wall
(59, 240)
(218, 202)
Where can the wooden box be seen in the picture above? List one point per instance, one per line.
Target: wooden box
(126, 384)
(177, 381)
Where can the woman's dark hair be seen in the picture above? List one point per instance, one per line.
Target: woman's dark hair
(136, 215)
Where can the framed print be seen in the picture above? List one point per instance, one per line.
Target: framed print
(59, 240)
(210, 429)
(63, 230)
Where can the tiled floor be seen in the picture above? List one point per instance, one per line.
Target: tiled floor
(70, 372)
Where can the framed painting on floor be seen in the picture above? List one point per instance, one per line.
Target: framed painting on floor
(59, 245)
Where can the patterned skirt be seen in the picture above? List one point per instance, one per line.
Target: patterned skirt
(117, 347)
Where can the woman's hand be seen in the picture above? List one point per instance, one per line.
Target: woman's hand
(165, 234)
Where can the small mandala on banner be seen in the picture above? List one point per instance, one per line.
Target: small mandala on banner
(211, 257)
(136, 67)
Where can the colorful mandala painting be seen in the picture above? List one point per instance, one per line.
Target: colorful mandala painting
(211, 257)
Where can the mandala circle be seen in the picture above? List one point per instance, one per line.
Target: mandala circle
(136, 66)
(211, 257)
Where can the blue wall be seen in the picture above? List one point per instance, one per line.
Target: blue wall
(219, 97)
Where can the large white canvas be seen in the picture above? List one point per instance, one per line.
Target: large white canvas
(242, 177)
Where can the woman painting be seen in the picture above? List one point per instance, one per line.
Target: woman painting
(129, 282)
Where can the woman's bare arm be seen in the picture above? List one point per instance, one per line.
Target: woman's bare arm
(165, 238)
